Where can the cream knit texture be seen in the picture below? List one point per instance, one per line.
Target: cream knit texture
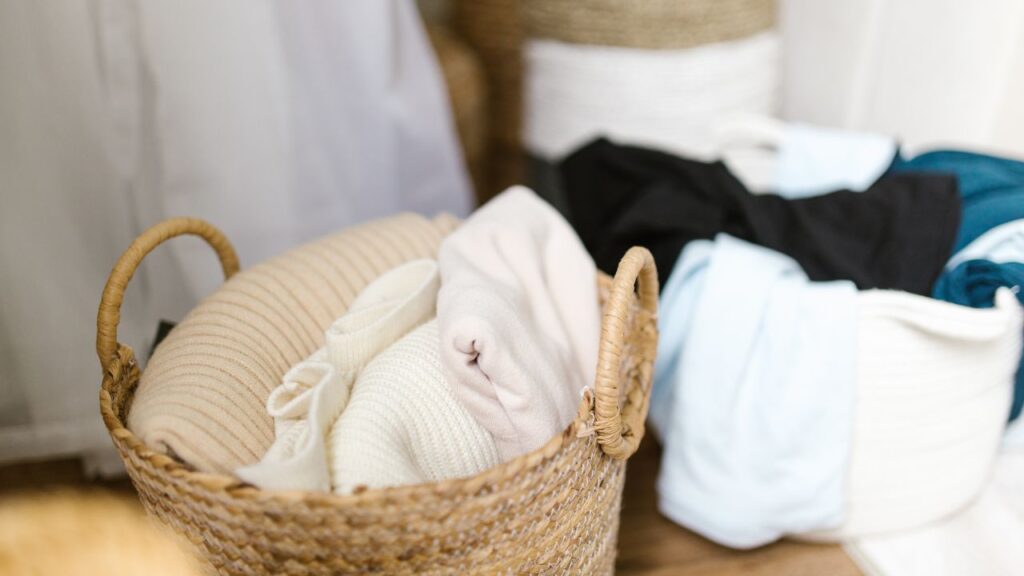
(315, 392)
(403, 424)
(202, 396)
(519, 319)
(934, 382)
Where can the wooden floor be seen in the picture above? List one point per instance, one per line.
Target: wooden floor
(649, 545)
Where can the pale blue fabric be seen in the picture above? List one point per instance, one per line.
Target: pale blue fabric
(815, 160)
(1004, 243)
(1002, 248)
(754, 394)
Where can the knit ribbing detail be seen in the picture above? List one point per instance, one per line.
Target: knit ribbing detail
(403, 424)
(402, 299)
(315, 391)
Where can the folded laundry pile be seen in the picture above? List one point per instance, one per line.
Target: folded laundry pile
(810, 379)
(444, 368)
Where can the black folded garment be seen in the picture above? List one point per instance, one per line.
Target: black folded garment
(898, 234)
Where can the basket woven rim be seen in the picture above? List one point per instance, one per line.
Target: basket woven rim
(646, 24)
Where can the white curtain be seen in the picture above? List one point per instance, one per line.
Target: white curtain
(277, 121)
(931, 72)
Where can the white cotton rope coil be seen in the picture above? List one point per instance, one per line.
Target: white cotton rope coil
(934, 385)
(670, 99)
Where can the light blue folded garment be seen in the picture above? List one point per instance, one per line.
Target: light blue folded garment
(1004, 243)
(815, 160)
(754, 393)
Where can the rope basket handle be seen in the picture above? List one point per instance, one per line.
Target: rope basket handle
(619, 431)
(109, 315)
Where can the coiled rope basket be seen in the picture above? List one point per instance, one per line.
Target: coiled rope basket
(552, 511)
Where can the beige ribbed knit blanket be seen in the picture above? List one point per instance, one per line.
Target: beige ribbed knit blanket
(203, 395)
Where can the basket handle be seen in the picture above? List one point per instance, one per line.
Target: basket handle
(619, 431)
(109, 315)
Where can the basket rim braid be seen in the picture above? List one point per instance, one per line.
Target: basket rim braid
(647, 24)
(610, 416)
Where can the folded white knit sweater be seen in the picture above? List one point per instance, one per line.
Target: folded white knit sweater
(519, 319)
(403, 424)
(315, 391)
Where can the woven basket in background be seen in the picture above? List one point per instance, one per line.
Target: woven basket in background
(653, 24)
(552, 511)
(493, 28)
(467, 90)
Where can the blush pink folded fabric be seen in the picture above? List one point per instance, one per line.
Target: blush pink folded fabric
(519, 319)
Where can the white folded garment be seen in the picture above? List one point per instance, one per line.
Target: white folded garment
(403, 424)
(669, 99)
(315, 391)
(519, 319)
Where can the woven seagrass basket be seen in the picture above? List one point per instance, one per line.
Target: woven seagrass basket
(494, 29)
(552, 511)
(467, 90)
(649, 24)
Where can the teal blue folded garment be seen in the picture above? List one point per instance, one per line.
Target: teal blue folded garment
(992, 188)
(974, 283)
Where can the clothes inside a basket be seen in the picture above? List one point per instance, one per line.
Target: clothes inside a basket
(315, 392)
(403, 424)
(992, 188)
(897, 234)
(794, 407)
(756, 435)
(398, 396)
(519, 317)
(788, 402)
(202, 396)
(815, 160)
